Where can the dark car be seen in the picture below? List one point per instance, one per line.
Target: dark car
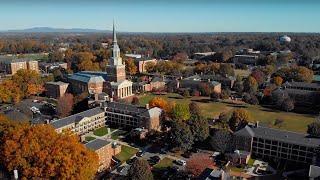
(155, 158)
(140, 153)
(186, 154)
(194, 150)
(130, 161)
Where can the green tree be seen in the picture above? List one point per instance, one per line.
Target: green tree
(181, 112)
(181, 135)
(140, 170)
(199, 127)
(314, 129)
(221, 141)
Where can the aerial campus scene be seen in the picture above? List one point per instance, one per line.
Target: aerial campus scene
(171, 89)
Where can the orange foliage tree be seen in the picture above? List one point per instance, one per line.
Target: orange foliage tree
(198, 163)
(38, 152)
(65, 105)
(160, 103)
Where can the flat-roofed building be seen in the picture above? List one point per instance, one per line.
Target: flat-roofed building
(132, 116)
(268, 143)
(56, 89)
(12, 64)
(142, 63)
(81, 123)
(105, 150)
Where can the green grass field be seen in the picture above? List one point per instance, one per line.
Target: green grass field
(89, 138)
(164, 163)
(101, 131)
(291, 121)
(126, 153)
(118, 133)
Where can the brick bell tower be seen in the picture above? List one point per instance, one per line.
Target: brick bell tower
(116, 69)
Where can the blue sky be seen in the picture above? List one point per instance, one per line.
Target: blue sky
(165, 15)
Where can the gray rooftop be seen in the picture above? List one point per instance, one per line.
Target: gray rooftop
(76, 117)
(279, 135)
(133, 109)
(87, 77)
(59, 83)
(97, 144)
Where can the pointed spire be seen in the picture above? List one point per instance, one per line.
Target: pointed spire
(114, 34)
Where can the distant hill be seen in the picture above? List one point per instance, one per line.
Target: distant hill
(56, 30)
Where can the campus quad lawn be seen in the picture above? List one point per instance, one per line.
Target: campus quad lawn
(292, 121)
(89, 138)
(126, 153)
(101, 131)
(164, 163)
(115, 135)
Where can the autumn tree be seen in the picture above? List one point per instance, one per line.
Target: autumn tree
(250, 85)
(278, 80)
(131, 67)
(140, 170)
(223, 121)
(259, 76)
(160, 103)
(226, 69)
(194, 109)
(65, 105)
(85, 61)
(180, 57)
(135, 100)
(239, 119)
(198, 163)
(38, 152)
(29, 82)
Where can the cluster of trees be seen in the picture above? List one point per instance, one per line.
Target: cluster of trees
(38, 152)
(24, 83)
(186, 123)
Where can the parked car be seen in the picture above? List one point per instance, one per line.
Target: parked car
(194, 150)
(130, 161)
(140, 153)
(155, 159)
(181, 162)
(186, 154)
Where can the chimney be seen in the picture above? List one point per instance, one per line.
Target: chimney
(147, 106)
(257, 123)
(111, 99)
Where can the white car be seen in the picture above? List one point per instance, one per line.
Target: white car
(181, 162)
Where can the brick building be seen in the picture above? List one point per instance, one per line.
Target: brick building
(11, 65)
(141, 63)
(155, 84)
(56, 89)
(86, 82)
(81, 123)
(132, 116)
(105, 151)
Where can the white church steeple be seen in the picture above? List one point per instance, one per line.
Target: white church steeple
(115, 60)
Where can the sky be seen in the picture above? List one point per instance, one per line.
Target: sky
(164, 15)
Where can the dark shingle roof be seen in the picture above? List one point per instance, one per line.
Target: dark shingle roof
(76, 117)
(97, 144)
(279, 135)
(302, 84)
